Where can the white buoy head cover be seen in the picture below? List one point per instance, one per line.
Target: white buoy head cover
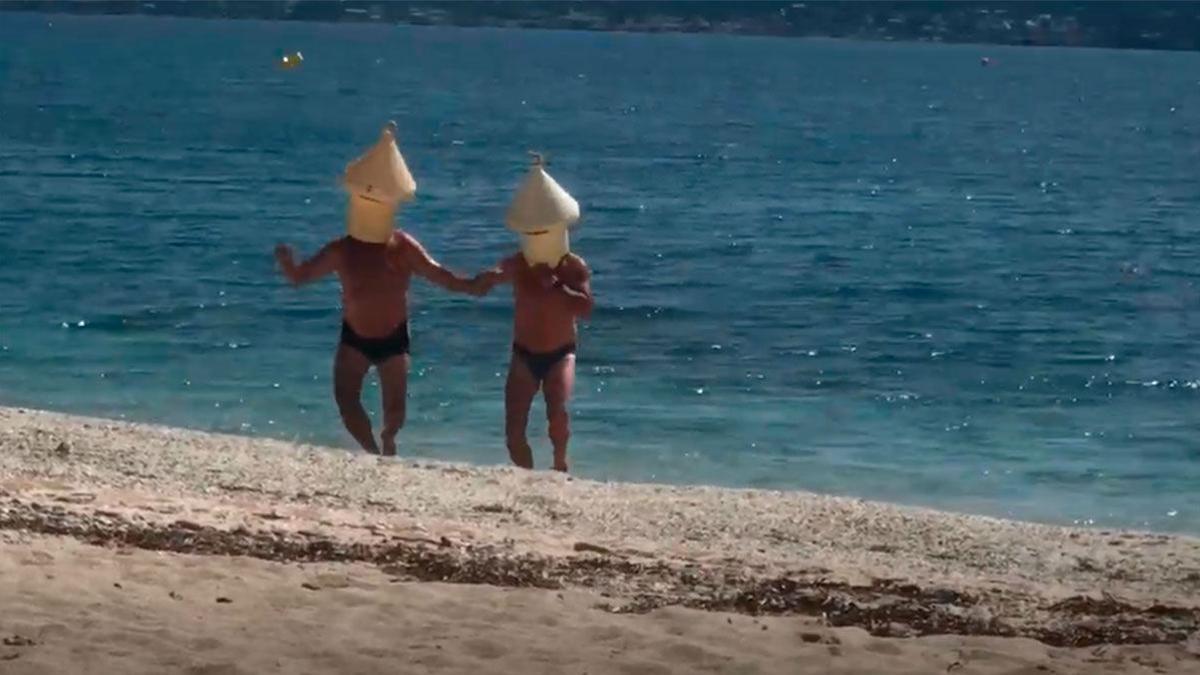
(378, 182)
(541, 212)
(380, 173)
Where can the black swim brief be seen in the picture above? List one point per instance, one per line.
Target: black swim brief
(540, 363)
(377, 350)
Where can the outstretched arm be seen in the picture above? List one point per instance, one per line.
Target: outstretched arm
(490, 278)
(423, 264)
(323, 263)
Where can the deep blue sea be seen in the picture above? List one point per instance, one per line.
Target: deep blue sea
(879, 270)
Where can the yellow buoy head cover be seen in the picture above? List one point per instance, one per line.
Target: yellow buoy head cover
(541, 213)
(378, 182)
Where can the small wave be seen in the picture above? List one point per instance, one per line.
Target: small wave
(656, 312)
(613, 208)
(1191, 385)
(146, 320)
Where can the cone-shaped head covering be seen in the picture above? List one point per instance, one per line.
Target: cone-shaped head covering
(380, 174)
(541, 212)
(541, 203)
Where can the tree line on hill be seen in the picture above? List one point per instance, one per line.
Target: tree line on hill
(1143, 24)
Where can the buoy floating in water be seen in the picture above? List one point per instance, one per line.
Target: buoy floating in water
(290, 61)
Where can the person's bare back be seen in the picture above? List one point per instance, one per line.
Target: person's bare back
(374, 280)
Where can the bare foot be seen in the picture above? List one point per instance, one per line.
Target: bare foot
(521, 454)
(561, 465)
(389, 447)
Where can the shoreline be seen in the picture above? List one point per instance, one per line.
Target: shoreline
(427, 462)
(888, 570)
(419, 460)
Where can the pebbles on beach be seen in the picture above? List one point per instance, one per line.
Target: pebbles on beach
(891, 570)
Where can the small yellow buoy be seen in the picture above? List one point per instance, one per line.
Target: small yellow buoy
(290, 61)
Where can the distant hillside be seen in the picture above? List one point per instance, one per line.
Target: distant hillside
(1136, 24)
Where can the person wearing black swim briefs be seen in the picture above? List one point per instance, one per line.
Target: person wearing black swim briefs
(541, 363)
(375, 280)
(375, 263)
(551, 290)
(547, 302)
(377, 350)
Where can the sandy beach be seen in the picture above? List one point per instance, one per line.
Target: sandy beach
(132, 548)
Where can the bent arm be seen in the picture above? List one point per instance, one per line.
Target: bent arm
(576, 284)
(325, 262)
(424, 265)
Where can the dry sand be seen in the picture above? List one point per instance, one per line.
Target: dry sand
(117, 542)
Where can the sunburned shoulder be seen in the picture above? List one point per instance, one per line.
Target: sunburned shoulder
(402, 242)
(336, 247)
(512, 262)
(401, 239)
(575, 263)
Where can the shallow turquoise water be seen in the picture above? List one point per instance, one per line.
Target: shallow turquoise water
(868, 269)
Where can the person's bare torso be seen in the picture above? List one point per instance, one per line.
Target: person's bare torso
(543, 319)
(374, 291)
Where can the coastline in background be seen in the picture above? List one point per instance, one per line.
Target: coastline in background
(1120, 25)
